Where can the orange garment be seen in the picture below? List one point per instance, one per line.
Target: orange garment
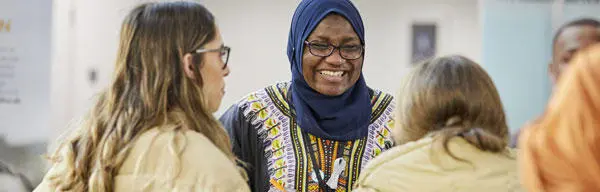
(561, 151)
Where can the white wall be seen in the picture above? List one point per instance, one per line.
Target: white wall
(388, 34)
(257, 31)
(259, 38)
(62, 52)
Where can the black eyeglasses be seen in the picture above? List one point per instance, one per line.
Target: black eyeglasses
(320, 49)
(224, 50)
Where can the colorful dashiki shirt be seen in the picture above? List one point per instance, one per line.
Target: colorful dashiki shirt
(265, 136)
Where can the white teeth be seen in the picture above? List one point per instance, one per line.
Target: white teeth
(333, 73)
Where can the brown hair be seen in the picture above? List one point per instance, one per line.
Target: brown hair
(149, 89)
(449, 97)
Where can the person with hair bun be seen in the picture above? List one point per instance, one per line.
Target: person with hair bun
(451, 134)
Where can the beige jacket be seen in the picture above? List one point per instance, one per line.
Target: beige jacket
(150, 166)
(413, 167)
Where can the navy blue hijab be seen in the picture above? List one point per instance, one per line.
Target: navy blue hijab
(344, 117)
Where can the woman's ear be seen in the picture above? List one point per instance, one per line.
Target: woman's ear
(189, 65)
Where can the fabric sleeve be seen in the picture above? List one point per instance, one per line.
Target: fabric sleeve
(244, 140)
(237, 128)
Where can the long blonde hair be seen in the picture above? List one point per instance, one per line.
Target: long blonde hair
(149, 89)
(449, 97)
(561, 150)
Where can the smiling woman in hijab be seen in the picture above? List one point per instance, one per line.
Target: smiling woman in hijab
(561, 151)
(318, 131)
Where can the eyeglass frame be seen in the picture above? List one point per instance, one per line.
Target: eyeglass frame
(220, 49)
(362, 50)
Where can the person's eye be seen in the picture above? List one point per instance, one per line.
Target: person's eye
(351, 47)
(319, 46)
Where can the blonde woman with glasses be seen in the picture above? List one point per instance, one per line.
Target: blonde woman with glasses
(153, 128)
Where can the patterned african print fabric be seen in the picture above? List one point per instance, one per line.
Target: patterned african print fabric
(265, 135)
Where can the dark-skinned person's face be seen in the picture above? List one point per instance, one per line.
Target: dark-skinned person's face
(571, 40)
(333, 56)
